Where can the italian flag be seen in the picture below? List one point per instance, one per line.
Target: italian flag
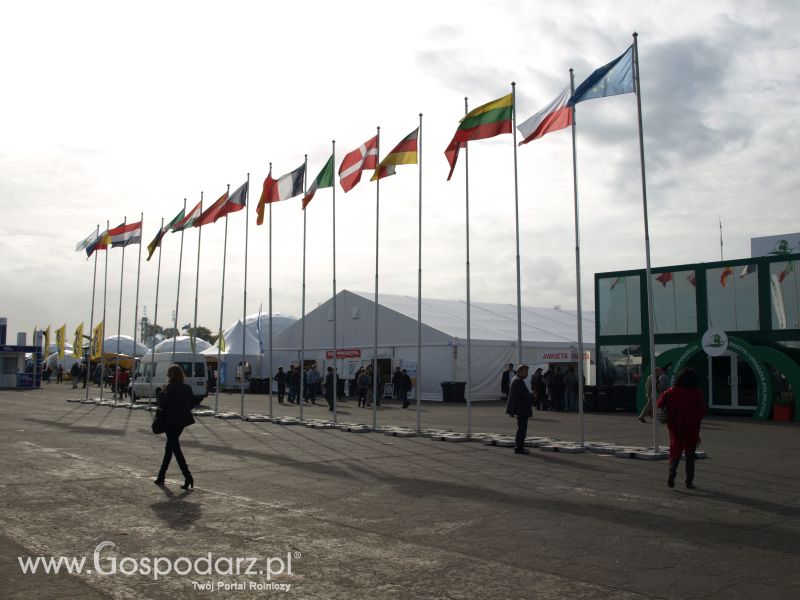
(187, 221)
(323, 180)
(486, 121)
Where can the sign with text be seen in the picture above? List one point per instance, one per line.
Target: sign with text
(344, 353)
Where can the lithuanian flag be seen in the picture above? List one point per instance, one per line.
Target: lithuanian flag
(486, 121)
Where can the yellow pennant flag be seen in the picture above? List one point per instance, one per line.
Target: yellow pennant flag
(221, 342)
(46, 342)
(61, 340)
(77, 343)
(96, 351)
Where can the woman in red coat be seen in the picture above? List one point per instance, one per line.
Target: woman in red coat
(685, 408)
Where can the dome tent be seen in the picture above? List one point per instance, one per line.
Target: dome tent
(182, 343)
(232, 356)
(258, 326)
(127, 346)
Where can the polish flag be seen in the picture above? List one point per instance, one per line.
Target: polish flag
(556, 115)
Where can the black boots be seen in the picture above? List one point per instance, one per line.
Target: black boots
(690, 458)
(673, 469)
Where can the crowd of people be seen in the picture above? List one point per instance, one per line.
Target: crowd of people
(553, 389)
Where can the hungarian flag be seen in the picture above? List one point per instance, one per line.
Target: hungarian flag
(723, 279)
(77, 343)
(323, 180)
(156, 243)
(285, 187)
(405, 153)
(363, 157)
(99, 243)
(184, 222)
(61, 340)
(556, 115)
(610, 80)
(225, 205)
(786, 270)
(664, 278)
(125, 235)
(486, 121)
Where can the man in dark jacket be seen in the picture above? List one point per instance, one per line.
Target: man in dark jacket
(505, 380)
(520, 405)
(330, 387)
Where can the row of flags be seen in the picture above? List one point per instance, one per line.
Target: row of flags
(77, 341)
(486, 121)
(667, 276)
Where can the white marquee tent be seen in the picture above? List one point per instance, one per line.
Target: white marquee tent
(549, 336)
(233, 352)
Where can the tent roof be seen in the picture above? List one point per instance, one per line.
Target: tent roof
(183, 343)
(233, 341)
(126, 345)
(492, 321)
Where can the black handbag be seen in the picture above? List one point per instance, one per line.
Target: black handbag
(159, 425)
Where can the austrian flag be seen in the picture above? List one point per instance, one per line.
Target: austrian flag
(363, 157)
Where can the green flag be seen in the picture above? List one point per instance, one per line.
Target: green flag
(323, 180)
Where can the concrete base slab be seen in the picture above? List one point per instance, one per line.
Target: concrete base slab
(650, 454)
(564, 448)
(203, 412)
(255, 418)
(505, 442)
(228, 415)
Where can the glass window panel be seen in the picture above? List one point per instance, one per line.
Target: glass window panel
(783, 293)
(674, 304)
(619, 364)
(620, 309)
(732, 294)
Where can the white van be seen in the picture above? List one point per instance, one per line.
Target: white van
(150, 376)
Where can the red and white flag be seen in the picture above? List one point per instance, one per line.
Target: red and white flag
(556, 115)
(363, 157)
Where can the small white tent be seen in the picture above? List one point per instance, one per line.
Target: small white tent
(182, 343)
(126, 346)
(235, 337)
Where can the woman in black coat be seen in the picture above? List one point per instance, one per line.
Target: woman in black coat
(175, 406)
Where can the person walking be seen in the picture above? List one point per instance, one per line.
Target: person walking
(397, 383)
(685, 408)
(505, 380)
(661, 385)
(60, 374)
(538, 389)
(330, 387)
(406, 386)
(362, 381)
(75, 374)
(175, 404)
(280, 378)
(84, 374)
(571, 389)
(520, 405)
(294, 384)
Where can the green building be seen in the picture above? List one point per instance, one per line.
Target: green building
(736, 322)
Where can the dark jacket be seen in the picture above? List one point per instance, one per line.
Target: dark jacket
(329, 386)
(520, 400)
(505, 380)
(176, 403)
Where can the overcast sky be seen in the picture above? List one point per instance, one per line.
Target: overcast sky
(110, 110)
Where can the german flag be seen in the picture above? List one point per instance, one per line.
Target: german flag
(405, 153)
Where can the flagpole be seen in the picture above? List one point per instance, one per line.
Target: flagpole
(221, 309)
(335, 344)
(178, 294)
(375, 353)
(469, 329)
(516, 220)
(136, 309)
(581, 434)
(91, 325)
(270, 304)
(244, 303)
(103, 336)
(650, 316)
(418, 392)
(155, 324)
(302, 398)
(193, 333)
(119, 313)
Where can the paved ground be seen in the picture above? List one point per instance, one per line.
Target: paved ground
(372, 516)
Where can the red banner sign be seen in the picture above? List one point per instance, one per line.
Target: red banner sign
(341, 353)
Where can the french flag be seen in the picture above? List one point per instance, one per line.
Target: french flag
(556, 115)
